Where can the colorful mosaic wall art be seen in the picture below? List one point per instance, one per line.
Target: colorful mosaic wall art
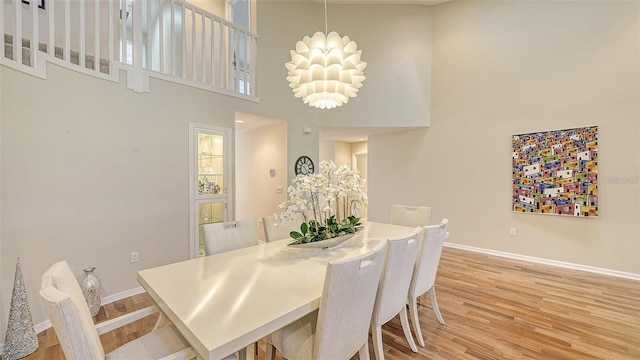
(556, 172)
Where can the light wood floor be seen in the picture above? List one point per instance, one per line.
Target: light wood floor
(494, 308)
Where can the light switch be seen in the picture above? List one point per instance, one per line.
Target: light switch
(272, 172)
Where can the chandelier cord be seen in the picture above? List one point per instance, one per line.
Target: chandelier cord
(326, 27)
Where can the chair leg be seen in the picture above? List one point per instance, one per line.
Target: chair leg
(270, 352)
(363, 354)
(162, 318)
(434, 303)
(376, 334)
(413, 306)
(242, 354)
(406, 329)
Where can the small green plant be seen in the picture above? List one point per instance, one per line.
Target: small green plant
(314, 231)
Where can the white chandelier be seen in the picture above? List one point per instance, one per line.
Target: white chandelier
(325, 71)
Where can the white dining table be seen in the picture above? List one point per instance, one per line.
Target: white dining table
(225, 302)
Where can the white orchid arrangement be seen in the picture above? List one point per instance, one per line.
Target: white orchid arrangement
(329, 203)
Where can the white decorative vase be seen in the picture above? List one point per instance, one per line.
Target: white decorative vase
(91, 289)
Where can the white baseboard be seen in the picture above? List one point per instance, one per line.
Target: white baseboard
(42, 326)
(561, 264)
(121, 295)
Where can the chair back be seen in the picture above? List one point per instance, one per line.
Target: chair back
(281, 231)
(67, 309)
(346, 305)
(396, 277)
(410, 215)
(226, 236)
(424, 273)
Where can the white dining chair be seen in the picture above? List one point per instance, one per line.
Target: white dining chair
(391, 299)
(340, 328)
(280, 231)
(424, 273)
(65, 305)
(410, 215)
(227, 236)
(231, 235)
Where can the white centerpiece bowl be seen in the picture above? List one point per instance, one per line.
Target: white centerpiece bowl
(325, 244)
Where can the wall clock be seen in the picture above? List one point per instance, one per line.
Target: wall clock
(304, 166)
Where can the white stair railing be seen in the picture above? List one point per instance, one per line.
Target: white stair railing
(169, 39)
(75, 34)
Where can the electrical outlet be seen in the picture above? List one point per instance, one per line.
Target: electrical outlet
(134, 257)
(513, 232)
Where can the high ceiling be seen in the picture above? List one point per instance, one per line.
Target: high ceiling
(387, 2)
(353, 134)
(350, 134)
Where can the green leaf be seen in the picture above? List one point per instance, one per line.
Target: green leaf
(304, 228)
(295, 235)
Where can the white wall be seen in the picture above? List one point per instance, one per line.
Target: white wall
(504, 68)
(2, 307)
(276, 98)
(360, 151)
(342, 153)
(257, 152)
(92, 171)
(395, 43)
(391, 37)
(216, 7)
(359, 147)
(327, 150)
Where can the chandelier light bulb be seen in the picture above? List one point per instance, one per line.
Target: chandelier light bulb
(325, 71)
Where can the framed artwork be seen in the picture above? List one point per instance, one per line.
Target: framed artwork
(40, 3)
(556, 172)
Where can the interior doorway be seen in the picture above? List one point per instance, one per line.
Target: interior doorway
(351, 154)
(260, 167)
(359, 164)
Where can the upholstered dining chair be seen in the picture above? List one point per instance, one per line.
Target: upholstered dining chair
(424, 273)
(391, 298)
(281, 231)
(79, 338)
(410, 215)
(231, 235)
(340, 327)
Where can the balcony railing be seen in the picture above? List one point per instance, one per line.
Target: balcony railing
(168, 39)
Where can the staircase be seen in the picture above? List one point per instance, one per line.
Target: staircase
(58, 53)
